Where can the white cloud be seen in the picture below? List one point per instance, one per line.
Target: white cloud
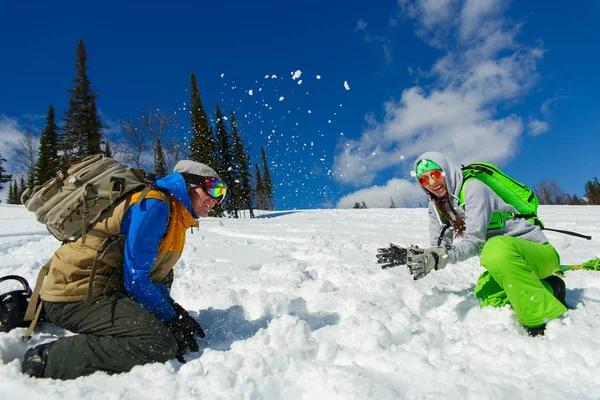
(430, 13)
(360, 25)
(475, 15)
(11, 134)
(484, 67)
(537, 127)
(404, 193)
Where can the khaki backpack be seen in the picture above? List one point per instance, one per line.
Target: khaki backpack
(70, 203)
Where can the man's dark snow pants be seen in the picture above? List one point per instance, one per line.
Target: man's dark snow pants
(114, 334)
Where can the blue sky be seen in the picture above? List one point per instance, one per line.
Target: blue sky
(510, 83)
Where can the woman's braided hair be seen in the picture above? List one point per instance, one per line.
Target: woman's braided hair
(449, 213)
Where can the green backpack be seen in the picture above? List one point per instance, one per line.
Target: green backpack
(73, 201)
(513, 192)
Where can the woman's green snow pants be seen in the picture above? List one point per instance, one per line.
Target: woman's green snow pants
(517, 265)
(115, 333)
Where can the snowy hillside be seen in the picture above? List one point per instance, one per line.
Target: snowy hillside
(295, 307)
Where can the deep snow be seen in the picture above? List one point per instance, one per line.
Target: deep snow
(295, 307)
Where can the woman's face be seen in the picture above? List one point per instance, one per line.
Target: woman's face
(201, 202)
(436, 186)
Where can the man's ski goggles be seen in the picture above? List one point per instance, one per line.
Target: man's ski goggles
(436, 174)
(214, 187)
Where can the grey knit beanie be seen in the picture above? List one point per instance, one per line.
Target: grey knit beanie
(194, 168)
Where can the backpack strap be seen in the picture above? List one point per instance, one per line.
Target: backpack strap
(104, 247)
(580, 235)
(35, 304)
(111, 240)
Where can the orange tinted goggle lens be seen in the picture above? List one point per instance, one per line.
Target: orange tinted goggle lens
(435, 174)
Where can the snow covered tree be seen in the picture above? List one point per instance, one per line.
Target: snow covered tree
(82, 134)
(48, 160)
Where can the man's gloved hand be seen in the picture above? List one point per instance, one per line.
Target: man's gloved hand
(391, 256)
(184, 328)
(423, 261)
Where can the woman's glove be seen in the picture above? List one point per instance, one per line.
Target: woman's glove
(423, 261)
(391, 256)
(184, 328)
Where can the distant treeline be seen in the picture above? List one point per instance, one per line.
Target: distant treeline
(548, 192)
(81, 134)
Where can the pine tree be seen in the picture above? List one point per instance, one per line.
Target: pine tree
(94, 137)
(392, 204)
(10, 198)
(266, 180)
(592, 191)
(224, 147)
(13, 193)
(22, 187)
(16, 191)
(107, 149)
(160, 164)
(202, 145)
(224, 157)
(82, 129)
(242, 192)
(4, 177)
(259, 191)
(48, 161)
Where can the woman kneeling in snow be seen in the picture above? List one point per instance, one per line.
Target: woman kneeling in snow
(517, 256)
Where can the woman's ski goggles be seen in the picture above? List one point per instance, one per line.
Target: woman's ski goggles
(436, 174)
(212, 186)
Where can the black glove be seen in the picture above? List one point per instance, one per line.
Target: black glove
(391, 256)
(184, 328)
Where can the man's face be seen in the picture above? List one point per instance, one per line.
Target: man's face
(201, 202)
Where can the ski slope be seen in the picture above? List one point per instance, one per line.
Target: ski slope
(295, 307)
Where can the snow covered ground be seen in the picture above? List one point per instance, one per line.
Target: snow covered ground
(295, 307)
